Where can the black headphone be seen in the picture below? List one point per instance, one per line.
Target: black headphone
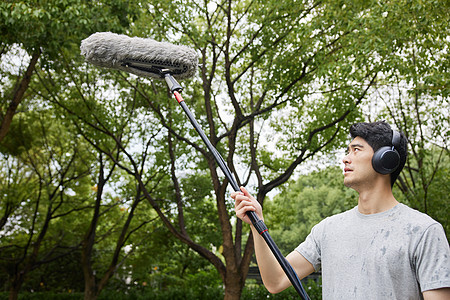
(386, 159)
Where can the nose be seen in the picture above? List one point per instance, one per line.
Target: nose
(346, 159)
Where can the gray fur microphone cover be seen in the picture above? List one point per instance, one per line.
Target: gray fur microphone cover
(140, 56)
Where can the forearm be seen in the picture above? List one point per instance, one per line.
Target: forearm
(272, 274)
(438, 294)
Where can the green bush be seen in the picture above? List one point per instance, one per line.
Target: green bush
(251, 292)
(172, 294)
(45, 296)
(313, 289)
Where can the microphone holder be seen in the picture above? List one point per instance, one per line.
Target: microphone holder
(175, 88)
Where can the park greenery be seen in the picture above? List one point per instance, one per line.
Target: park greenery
(106, 188)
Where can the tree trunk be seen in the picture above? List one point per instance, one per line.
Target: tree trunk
(15, 287)
(17, 97)
(13, 294)
(90, 284)
(234, 284)
(90, 289)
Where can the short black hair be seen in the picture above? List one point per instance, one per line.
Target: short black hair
(379, 134)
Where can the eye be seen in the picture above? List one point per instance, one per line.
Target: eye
(356, 150)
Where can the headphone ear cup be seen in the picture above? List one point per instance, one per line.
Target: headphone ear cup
(385, 160)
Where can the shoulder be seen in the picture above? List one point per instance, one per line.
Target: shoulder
(425, 235)
(335, 221)
(413, 219)
(343, 216)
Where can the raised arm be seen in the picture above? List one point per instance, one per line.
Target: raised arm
(273, 276)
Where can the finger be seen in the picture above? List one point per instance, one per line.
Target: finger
(234, 194)
(241, 212)
(244, 205)
(246, 193)
(239, 198)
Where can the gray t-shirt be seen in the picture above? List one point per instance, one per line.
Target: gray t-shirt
(395, 254)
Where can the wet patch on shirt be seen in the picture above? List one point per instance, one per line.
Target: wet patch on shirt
(410, 230)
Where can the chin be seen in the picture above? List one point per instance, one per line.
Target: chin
(346, 182)
(349, 183)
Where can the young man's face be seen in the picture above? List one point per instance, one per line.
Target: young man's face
(358, 170)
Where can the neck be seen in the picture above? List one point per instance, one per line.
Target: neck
(376, 199)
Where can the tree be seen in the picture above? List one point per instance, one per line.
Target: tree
(415, 99)
(42, 30)
(261, 85)
(38, 195)
(338, 48)
(90, 242)
(279, 82)
(339, 51)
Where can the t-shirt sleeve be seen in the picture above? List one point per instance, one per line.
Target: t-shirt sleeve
(432, 259)
(310, 248)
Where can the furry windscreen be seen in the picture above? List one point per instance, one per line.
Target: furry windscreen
(140, 56)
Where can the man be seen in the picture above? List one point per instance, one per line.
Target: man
(381, 249)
